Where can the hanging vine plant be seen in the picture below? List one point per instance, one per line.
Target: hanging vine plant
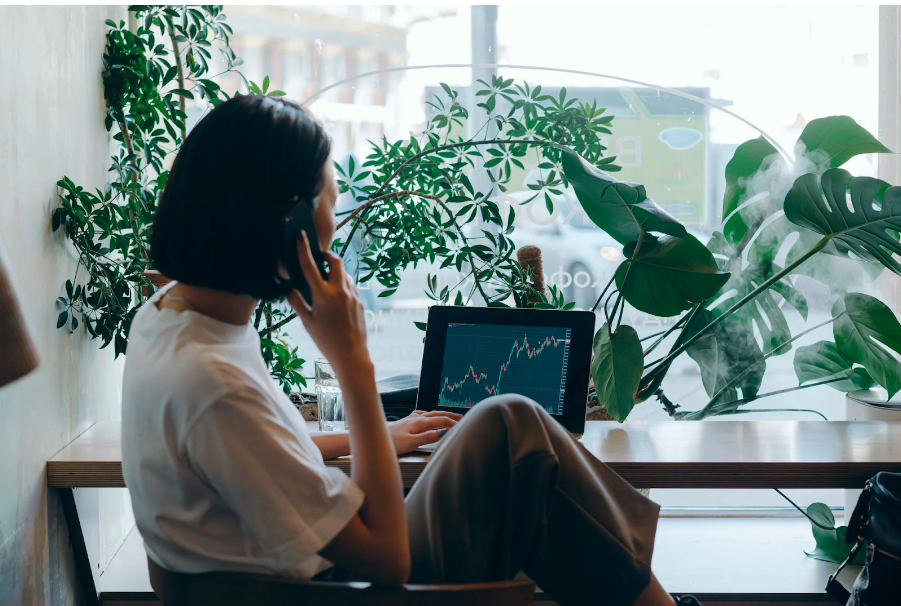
(149, 72)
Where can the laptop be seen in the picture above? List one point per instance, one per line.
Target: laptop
(472, 353)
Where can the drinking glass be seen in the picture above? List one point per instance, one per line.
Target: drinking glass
(328, 395)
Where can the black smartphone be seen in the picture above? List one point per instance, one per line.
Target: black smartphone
(300, 218)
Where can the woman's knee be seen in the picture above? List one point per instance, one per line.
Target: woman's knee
(504, 410)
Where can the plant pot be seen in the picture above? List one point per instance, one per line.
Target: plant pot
(597, 413)
(868, 405)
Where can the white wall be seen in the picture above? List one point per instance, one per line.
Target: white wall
(51, 124)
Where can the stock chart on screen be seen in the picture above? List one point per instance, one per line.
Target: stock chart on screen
(482, 360)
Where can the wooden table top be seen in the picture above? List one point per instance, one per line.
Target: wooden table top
(664, 454)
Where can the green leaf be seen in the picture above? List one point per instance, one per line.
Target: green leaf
(616, 369)
(669, 275)
(182, 93)
(838, 273)
(623, 210)
(61, 319)
(840, 137)
(830, 542)
(861, 324)
(822, 361)
(723, 354)
(826, 538)
(764, 314)
(867, 230)
(748, 158)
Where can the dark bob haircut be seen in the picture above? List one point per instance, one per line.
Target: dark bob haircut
(239, 172)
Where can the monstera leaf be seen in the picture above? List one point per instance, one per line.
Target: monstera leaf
(860, 215)
(623, 210)
(824, 143)
(780, 238)
(839, 138)
(667, 276)
(723, 354)
(830, 541)
(822, 361)
(767, 314)
(862, 325)
(748, 158)
(616, 369)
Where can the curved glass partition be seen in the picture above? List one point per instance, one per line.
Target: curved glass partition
(683, 86)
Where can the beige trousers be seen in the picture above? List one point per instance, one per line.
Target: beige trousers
(509, 489)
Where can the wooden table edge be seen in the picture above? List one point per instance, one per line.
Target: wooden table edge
(725, 475)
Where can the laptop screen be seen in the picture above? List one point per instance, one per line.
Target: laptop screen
(482, 360)
(474, 353)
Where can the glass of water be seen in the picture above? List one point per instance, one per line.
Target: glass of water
(328, 395)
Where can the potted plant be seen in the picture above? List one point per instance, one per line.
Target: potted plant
(826, 223)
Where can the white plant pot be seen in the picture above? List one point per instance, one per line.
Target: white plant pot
(868, 405)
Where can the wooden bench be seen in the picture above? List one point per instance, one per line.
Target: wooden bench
(712, 454)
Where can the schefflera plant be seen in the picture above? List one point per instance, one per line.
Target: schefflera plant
(729, 294)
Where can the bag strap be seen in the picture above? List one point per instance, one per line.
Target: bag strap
(860, 517)
(833, 586)
(857, 528)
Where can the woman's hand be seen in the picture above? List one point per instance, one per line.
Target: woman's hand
(421, 428)
(336, 322)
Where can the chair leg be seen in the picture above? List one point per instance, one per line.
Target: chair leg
(79, 549)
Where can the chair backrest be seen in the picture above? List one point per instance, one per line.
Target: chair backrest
(238, 589)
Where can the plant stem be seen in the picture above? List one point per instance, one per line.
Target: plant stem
(126, 136)
(181, 74)
(635, 252)
(696, 415)
(812, 521)
(604, 292)
(682, 321)
(748, 412)
(738, 305)
(363, 207)
(656, 334)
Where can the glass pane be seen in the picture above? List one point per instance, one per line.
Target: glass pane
(684, 87)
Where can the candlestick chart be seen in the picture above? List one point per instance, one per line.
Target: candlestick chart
(482, 360)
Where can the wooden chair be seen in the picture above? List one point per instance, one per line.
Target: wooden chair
(238, 589)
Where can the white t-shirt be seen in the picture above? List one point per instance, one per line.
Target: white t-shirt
(222, 473)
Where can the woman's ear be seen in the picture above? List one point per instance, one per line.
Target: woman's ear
(324, 207)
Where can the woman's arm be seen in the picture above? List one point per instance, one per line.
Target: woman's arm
(407, 434)
(331, 444)
(374, 544)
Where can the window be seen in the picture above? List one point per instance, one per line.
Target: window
(771, 68)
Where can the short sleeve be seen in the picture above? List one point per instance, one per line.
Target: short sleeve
(274, 481)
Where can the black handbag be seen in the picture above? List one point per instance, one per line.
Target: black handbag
(874, 526)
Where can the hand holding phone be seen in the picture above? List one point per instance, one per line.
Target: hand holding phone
(300, 220)
(337, 323)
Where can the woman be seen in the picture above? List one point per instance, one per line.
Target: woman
(222, 471)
